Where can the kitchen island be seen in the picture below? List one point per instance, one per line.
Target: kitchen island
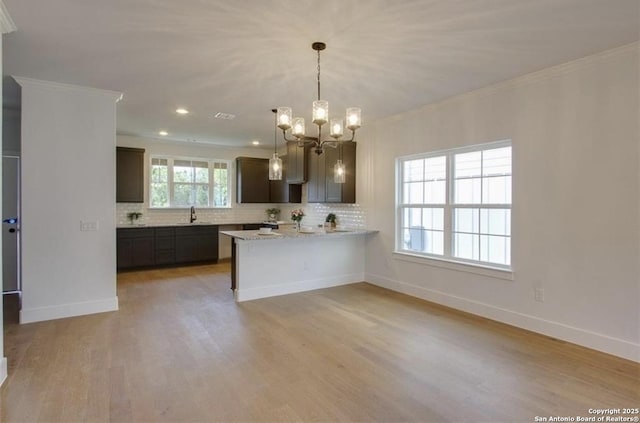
(286, 261)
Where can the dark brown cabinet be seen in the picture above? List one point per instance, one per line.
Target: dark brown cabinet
(135, 247)
(196, 244)
(252, 180)
(253, 184)
(320, 187)
(129, 175)
(297, 170)
(282, 191)
(175, 245)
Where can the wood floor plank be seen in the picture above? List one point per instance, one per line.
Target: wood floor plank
(181, 350)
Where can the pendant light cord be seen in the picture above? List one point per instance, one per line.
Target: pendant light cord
(318, 74)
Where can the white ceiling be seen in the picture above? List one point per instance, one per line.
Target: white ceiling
(247, 56)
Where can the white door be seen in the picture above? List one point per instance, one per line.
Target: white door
(11, 224)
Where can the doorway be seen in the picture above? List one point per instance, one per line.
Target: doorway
(11, 281)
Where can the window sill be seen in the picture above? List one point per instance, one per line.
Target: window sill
(478, 269)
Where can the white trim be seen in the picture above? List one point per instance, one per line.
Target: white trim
(3, 370)
(596, 341)
(6, 23)
(68, 310)
(116, 96)
(478, 269)
(301, 286)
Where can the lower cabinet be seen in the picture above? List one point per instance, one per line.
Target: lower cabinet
(175, 245)
(199, 243)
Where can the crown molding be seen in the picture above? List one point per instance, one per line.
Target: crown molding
(6, 23)
(30, 82)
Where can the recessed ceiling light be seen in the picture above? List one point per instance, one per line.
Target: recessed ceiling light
(163, 133)
(255, 142)
(225, 116)
(182, 111)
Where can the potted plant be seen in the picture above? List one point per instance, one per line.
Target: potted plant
(296, 216)
(133, 216)
(273, 214)
(331, 219)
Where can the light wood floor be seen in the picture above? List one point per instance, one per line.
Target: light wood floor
(181, 350)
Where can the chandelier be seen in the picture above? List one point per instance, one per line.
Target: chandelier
(320, 116)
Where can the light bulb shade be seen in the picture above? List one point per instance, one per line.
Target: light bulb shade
(339, 172)
(298, 127)
(320, 112)
(275, 168)
(284, 118)
(354, 119)
(335, 128)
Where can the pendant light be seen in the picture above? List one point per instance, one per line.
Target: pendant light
(275, 162)
(339, 169)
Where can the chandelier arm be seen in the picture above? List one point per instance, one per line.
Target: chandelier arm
(299, 139)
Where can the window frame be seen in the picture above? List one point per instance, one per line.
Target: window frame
(211, 163)
(448, 259)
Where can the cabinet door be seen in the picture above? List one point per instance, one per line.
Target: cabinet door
(346, 192)
(129, 175)
(317, 175)
(279, 190)
(199, 243)
(252, 180)
(297, 172)
(135, 247)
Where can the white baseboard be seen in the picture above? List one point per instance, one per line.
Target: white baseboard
(596, 341)
(68, 310)
(290, 288)
(3, 370)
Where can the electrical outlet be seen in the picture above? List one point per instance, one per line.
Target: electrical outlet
(538, 294)
(88, 226)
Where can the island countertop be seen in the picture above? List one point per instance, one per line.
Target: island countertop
(254, 235)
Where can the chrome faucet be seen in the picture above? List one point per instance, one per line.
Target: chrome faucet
(193, 217)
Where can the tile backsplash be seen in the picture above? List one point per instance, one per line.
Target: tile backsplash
(349, 215)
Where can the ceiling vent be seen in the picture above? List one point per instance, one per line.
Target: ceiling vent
(225, 116)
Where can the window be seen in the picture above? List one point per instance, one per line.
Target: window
(456, 204)
(188, 182)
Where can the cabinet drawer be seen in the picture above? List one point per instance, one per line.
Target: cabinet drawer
(200, 230)
(134, 233)
(165, 232)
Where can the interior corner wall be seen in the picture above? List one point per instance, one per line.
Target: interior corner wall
(3, 359)
(576, 200)
(68, 177)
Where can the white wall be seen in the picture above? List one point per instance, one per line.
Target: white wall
(68, 176)
(576, 198)
(10, 131)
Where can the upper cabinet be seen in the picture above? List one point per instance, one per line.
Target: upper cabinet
(252, 180)
(129, 175)
(297, 169)
(320, 187)
(253, 184)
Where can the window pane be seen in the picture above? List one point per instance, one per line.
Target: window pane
(220, 185)
(183, 195)
(466, 220)
(416, 192)
(495, 249)
(467, 191)
(468, 164)
(466, 246)
(413, 170)
(202, 195)
(433, 218)
(495, 221)
(435, 192)
(182, 173)
(202, 175)
(496, 190)
(496, 161)
(434, 242)
(435, 168)
(159, 173)
(159, 195)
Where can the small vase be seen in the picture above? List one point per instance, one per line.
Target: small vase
(297, 225)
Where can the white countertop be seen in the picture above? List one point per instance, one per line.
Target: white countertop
(290, 233)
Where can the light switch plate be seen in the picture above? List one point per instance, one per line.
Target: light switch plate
(88, 225)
